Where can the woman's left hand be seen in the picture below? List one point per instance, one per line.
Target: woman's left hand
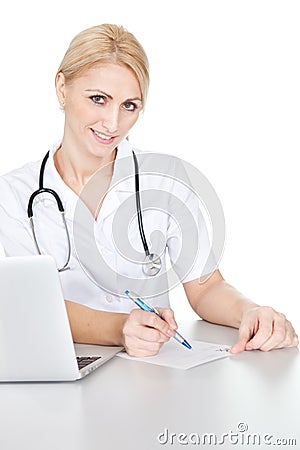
(263, 328)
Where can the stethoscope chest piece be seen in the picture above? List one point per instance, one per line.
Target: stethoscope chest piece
(151, 264)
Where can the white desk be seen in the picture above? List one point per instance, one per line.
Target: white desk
(125, 404)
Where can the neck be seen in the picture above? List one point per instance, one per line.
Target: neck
(76, 167)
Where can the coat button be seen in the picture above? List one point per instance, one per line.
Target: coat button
(109, 298)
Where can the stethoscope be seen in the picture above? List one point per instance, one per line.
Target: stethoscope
(152, 262)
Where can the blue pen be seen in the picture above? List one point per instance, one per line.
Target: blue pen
(141, 304)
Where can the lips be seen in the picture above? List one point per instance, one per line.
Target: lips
(102, 137)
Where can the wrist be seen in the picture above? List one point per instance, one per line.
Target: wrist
(245, 306)
(122, 325)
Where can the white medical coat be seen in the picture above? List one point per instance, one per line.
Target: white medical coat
(107, 253)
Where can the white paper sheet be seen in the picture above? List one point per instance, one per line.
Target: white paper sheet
(175, 355)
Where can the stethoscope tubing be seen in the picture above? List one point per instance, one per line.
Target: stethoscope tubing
(138, 204)
(152, 263)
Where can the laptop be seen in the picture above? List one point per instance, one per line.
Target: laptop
(35, 337)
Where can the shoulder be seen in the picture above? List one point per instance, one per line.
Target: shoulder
(22, 177)
(25, 178)
(22, 174)
(157, 163)
(162, 169)
(17, 186)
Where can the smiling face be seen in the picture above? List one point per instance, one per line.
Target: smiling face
(101, 106)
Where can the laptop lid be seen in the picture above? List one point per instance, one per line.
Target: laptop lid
(35, 337)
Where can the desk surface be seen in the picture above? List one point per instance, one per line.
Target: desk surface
(129, 405)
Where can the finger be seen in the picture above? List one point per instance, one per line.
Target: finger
(140, 348)
(262, 335)
(291, 338)
(168, 315)
(148, 319)
(270, 329)
(244, 336)
(154, 321)
(278, 336)
(151, 334)
(240, 345)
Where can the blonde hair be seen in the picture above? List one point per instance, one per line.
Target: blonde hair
(106, 43)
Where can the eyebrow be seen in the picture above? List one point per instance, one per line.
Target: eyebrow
(109, 96)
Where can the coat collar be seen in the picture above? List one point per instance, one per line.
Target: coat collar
(122, 184)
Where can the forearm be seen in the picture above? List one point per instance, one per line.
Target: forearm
(91, 326)
(224, 305)
(259, 327)
(219, 303)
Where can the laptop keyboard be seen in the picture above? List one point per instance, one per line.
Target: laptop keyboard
(83, 361)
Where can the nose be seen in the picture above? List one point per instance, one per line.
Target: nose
(111, 119)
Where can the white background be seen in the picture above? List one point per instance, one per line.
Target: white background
(224, 95)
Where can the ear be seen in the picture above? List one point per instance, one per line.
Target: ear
(61, 89)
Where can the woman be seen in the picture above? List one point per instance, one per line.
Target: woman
(102, 86)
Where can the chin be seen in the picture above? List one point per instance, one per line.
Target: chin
(100, 151)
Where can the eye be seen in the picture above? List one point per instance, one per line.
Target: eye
(130, 106)
(98, 99)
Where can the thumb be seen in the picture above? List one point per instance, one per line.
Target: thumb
(240, 346)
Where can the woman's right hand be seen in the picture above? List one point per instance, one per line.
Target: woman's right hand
(145, 332)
